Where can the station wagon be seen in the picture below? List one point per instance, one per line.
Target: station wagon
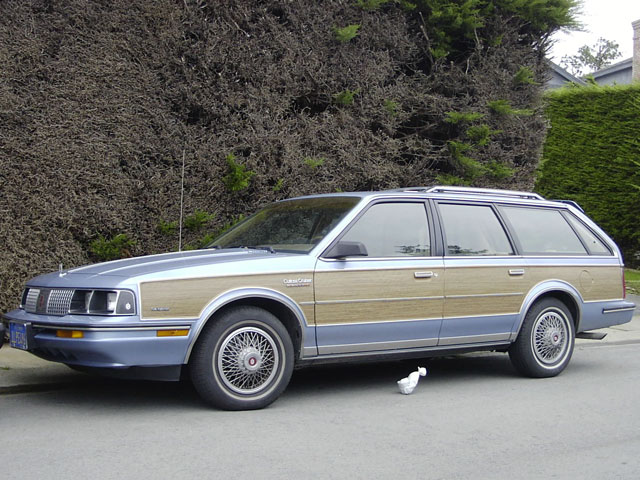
(415, 272)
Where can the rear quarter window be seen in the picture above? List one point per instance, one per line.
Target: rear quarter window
(543, 231)
(593, 243)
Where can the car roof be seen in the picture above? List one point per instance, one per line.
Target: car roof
(457, 193)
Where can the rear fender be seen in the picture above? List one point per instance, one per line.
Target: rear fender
(540, 291)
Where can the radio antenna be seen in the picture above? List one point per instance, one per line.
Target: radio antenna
(181, 202)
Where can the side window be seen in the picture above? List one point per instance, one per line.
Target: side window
(543, 231)
(473, 230)
(393, 230)
(594, 244)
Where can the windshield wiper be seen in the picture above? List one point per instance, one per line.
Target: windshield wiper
(254, 247)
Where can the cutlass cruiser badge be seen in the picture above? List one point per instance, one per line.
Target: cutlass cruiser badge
(297, 282)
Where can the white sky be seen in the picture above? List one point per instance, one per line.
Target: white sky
(610, 19)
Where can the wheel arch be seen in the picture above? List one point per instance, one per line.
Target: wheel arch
(281, 306)
(557, 289)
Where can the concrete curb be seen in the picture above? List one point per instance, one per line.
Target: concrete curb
(33, 388)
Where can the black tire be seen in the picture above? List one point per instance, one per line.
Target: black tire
(545, 343)
(243, 359)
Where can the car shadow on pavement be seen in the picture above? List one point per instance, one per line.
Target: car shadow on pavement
(372, 375)
(109, 393)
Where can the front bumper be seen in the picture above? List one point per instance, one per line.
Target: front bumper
(103, 346)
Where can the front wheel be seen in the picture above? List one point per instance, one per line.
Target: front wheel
(545, 343)
(243, 360)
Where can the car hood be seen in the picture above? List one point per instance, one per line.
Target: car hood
(167, 264)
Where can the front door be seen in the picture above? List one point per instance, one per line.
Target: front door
(390, 299)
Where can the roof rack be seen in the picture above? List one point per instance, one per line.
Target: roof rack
(411, 189)
(570, 202)
(473, 191)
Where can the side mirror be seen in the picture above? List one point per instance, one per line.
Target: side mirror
(347, 249)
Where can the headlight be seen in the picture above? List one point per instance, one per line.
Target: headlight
(103, 302)
(63, 301)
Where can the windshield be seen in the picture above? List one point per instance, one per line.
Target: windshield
(289, 226)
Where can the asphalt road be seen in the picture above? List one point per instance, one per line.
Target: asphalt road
(471, 417)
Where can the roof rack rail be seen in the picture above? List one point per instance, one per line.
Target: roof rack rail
(411, 189)
(484, 191)
(570, 202)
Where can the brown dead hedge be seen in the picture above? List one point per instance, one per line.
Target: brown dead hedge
(99, 100)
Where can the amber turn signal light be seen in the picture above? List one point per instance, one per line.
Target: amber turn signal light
(172, 333)
(69, 333)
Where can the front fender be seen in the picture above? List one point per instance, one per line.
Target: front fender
(307, 331)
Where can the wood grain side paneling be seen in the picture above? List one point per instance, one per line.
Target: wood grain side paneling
(188, 297)
(492, 290)
(597, 283)
(378, 311)
(404, 296)
(377, 284)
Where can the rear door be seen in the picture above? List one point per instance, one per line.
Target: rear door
(390, 299)
(484, 278)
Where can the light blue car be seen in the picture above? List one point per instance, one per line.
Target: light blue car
(416, 272)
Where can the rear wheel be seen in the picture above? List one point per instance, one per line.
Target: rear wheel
(545, 343)
(243, 360)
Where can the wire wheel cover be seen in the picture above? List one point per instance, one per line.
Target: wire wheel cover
(549, 338)
(248, 360)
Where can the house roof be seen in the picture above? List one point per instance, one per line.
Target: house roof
(616, 67)
(564, 74)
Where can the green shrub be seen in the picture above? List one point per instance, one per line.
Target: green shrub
(590, 156)
(313, 162)
(238, 177)
(462, 117)
(448, 179)
(468, 167)
(345, 98)
(454, 26)
(524, 76)
(503, 107)
(197, 220)
(104, 249)
(499, 170)
(167, 228)
(371, 5)
(391, 107)
(632, 279)
(481, 134)
(346, 34)
(278, 186)
(407, 5)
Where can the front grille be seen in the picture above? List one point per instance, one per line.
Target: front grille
(59, 301)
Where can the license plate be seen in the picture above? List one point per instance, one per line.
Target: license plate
(18, 335)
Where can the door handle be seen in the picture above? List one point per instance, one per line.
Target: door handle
(424, 274)
(514, 272)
